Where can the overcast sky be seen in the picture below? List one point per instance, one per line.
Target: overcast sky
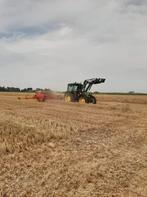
(48, 43)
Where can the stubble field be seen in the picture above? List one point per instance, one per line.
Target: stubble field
(73, 150)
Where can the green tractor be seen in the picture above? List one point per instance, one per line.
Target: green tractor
(78, 92)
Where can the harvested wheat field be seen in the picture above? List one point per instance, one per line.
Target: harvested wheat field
(70, 149)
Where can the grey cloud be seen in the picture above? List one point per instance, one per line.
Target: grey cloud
(135, 6)
(137, 2)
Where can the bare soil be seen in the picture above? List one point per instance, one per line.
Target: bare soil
(74, 150)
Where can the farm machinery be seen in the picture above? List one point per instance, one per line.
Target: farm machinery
(79, 92)
(39, 96)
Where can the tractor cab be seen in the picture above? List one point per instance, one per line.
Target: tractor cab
(74, 87)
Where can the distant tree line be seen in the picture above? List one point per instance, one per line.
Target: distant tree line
(9, 89)
(15, 89)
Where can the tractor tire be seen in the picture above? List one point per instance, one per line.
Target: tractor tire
(82, 100)
(68, 98)
(93, 100)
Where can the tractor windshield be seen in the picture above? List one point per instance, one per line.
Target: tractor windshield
(74, 87)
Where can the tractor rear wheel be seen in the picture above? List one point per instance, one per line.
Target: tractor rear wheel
(68, 98)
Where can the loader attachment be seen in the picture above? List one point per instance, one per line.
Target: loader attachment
(89, 82)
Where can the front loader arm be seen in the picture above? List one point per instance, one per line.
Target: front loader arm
(89, 82)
